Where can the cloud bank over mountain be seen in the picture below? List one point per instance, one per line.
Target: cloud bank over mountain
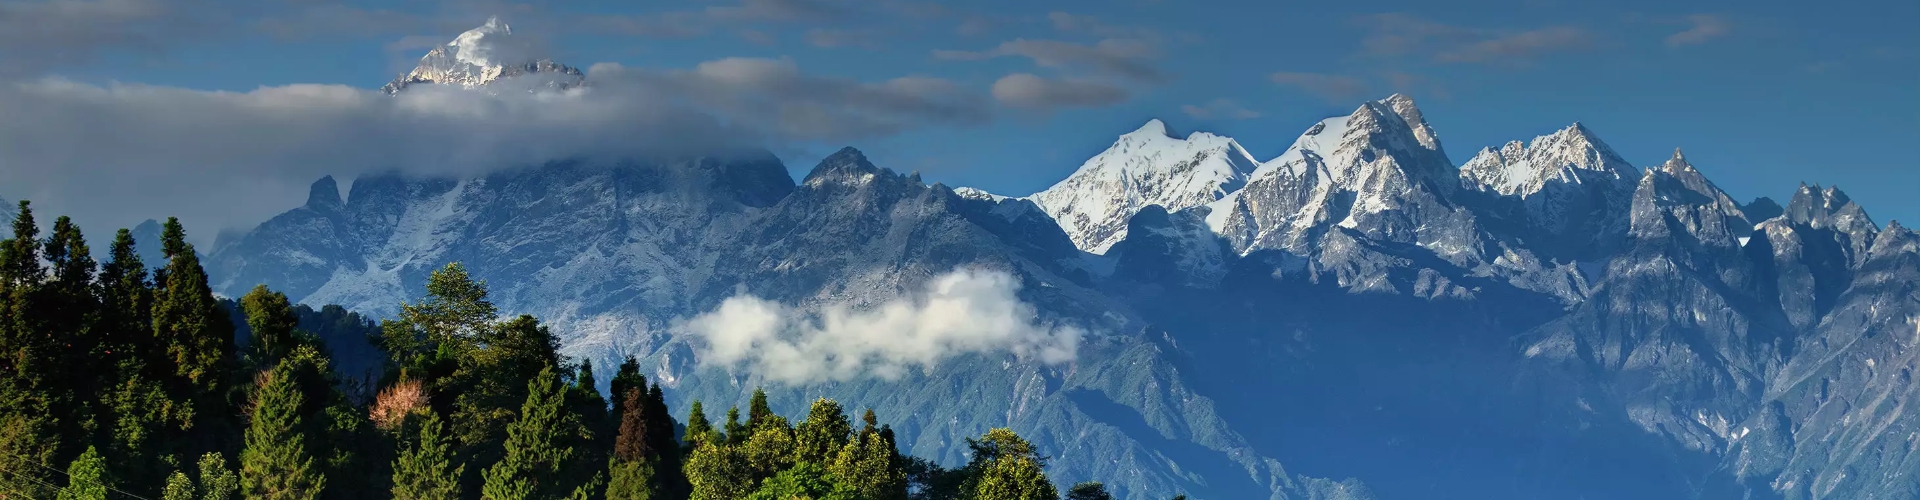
(966, 311)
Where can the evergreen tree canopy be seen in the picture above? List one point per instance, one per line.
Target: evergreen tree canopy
(757, 409)
(426, 470)
(86, 478)
(1090, 490)
(276, 463)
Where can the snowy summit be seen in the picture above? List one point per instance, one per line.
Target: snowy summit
(485, 55)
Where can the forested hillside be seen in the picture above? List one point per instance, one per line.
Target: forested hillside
(117, 382)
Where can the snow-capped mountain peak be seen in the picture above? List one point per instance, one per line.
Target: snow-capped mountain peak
(1524, 169)
(484, 55)
(1144, 167)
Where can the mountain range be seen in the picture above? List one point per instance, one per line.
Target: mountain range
(1358, 317)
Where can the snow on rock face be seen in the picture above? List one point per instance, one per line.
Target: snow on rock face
(485, 55)
(1567, 191)
(1144, 167)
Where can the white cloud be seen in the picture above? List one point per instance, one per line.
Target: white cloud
(1115, 57)
(966, 311)
(1219, 109)
(113, 155)
(1028, 91)
(1705, 27)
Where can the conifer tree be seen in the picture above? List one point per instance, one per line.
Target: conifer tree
(29, 427)
(86, 478)
(631, 468)
(819, 438)
(276, 463)
(736, 430)
(535, 452)
(669, 472)
(626, 377)
(699, 430)
(425, 471)
(197, 336)
(69, 314)
(757, 409)
(1008, 468)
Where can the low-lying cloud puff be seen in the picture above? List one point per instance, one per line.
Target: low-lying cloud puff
(966, 311)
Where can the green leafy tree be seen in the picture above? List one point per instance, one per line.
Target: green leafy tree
(217, 482)
(86, 478)
(178, 488)
(426, 470)
(1008, 468)
(806, 481)
(271, 319)
(770, 449)
(1090, 490)
(818, 439)
(717, 471)
(276, 463)
(867, 466)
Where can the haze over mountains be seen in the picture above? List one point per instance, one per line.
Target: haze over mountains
(1356, 318)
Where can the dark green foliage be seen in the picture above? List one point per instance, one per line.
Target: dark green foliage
(736, 430)
(1090, 490)
(276, 463)
(123, 378)
(536, 448)
(699, 430)
(757, 409)
(425, 470)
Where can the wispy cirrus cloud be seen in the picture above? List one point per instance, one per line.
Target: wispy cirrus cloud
(1705, 27)
(1333, 88)
(1399, 34)
(1219, 109)
(1113, 57)
(1033, 92)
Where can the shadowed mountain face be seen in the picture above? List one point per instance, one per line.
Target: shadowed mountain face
(1544, 322)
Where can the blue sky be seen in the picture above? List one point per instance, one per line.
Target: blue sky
(1761, 95)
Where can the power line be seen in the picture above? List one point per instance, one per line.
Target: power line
(30, 478)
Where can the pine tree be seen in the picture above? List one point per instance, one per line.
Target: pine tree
(29, 424)
(276, 463)
(736, 430)
(1090, 490)
(819, 438)
(535, 451)
(86, 478)
(426, 471)
(669, 472)
(70, 315)
(196, 334)
(631, 468)
(757, 409)
(699, 430)
(626, 377)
